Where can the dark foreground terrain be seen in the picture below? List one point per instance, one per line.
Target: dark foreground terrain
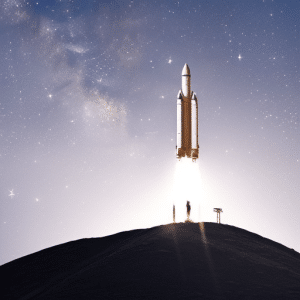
(175, 261)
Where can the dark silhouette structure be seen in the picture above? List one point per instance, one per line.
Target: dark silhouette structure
(174, 214)
(218, 211)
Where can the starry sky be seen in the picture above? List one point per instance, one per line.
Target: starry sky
(88, 117)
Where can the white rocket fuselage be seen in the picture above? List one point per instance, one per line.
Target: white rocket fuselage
(187, 118)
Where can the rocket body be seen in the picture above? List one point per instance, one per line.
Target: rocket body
(187, 119)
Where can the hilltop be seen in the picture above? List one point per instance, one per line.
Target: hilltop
(174, 261)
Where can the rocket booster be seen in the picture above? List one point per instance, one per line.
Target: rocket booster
(187, 119)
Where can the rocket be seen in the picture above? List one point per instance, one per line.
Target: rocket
(187, 119)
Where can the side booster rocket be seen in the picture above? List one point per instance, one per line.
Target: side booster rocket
(187, 119)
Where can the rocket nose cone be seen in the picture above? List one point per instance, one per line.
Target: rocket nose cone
(186, 70)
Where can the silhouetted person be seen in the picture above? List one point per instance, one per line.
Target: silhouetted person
(188, 209)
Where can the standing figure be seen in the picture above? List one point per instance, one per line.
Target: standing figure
(188, 210)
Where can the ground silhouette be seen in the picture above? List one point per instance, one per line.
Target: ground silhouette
(174, 261)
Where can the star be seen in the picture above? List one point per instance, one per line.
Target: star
(240, 57)
(11, 193)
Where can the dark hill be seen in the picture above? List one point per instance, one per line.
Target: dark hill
(180, 261)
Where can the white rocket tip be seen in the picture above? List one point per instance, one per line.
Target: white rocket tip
(186, 70)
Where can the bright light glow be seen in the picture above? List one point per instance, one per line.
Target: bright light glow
(187, 187)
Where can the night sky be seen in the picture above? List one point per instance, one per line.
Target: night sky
(88, 117)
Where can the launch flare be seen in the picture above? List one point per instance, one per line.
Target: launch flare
(187, 118)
